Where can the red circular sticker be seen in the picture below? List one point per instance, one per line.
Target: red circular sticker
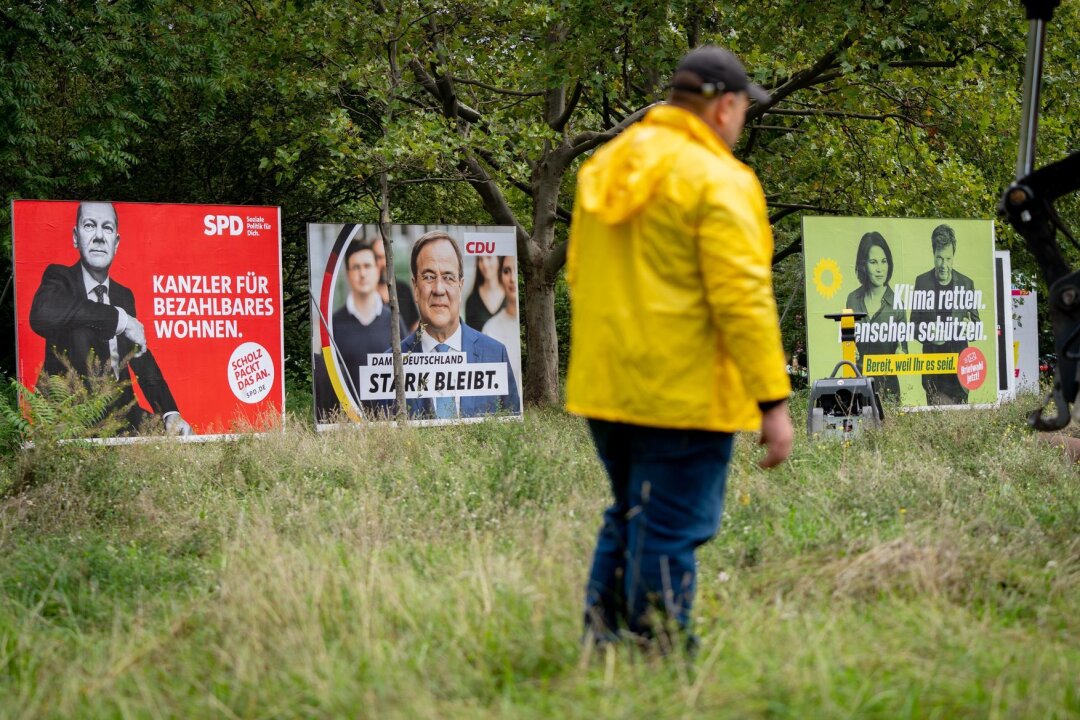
(972, 368)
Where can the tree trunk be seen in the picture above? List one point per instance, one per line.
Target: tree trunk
(541, 386)
(391, 291)
(541, 337)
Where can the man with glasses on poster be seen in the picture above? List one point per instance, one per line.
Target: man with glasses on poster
(437, 281)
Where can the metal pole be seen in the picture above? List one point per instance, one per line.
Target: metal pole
(1029, 120)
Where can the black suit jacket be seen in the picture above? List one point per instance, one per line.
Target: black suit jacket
(927, 282)
(75, 326)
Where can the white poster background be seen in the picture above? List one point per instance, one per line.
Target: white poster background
(1025, 321)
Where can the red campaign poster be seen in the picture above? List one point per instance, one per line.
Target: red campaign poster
(181, 303)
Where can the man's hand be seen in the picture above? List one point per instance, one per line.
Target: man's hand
(176, 425)
(777, 435)
(136, 334)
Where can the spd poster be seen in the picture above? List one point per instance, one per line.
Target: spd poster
(181, 304)
(457, 289)
(927, 288)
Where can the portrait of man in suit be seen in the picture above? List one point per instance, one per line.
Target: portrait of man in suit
(86, 317)
(437, 283)
(360, 326)
(941, 281)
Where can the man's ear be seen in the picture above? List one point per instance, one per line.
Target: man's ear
(725, 103)
(75, 237)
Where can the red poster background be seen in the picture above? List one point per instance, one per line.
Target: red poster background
(169, 240)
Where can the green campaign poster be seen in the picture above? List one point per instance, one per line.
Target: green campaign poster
(927, 288)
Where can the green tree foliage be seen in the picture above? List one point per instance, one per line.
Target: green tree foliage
(917, 115)
(482, 112)
(85, 85)
(85, 90)
(889, 108)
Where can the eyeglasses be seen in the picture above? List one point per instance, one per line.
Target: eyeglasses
(448, 278)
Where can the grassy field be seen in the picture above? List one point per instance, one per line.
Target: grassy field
(931, 570)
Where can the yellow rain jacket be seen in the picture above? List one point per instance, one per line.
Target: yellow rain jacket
(674, 322)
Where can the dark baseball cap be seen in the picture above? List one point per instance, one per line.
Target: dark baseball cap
(720, 72)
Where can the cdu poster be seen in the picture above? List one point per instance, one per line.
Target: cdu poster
(180, 304)
(927, 289)
(459, 325)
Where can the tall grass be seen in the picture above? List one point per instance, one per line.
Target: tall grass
(929, 570)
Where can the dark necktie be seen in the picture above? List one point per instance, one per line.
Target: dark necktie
(445, 407)
(114, 353)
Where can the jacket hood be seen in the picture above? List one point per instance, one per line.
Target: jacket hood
(623, 175)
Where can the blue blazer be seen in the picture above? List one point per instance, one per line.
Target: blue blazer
(479, 348)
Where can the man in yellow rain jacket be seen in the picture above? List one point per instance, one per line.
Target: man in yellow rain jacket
(675, 341)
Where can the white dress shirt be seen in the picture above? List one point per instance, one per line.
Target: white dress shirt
(121, 317)
(428, 343)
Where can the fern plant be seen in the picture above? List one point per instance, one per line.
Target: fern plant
(14, 427)
(66, 406)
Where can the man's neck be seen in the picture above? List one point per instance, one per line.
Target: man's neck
(366, 307)
(100, 275)
(441, 334)
(365, 303)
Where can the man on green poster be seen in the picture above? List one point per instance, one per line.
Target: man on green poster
(942, 295)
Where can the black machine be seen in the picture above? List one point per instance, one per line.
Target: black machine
(1028, 205)
(842, 407)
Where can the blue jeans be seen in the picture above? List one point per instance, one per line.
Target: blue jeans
(668, 488)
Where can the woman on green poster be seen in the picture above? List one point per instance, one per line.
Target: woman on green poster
(874, 296)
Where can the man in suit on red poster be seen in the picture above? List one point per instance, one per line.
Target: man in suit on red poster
(86, 316)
